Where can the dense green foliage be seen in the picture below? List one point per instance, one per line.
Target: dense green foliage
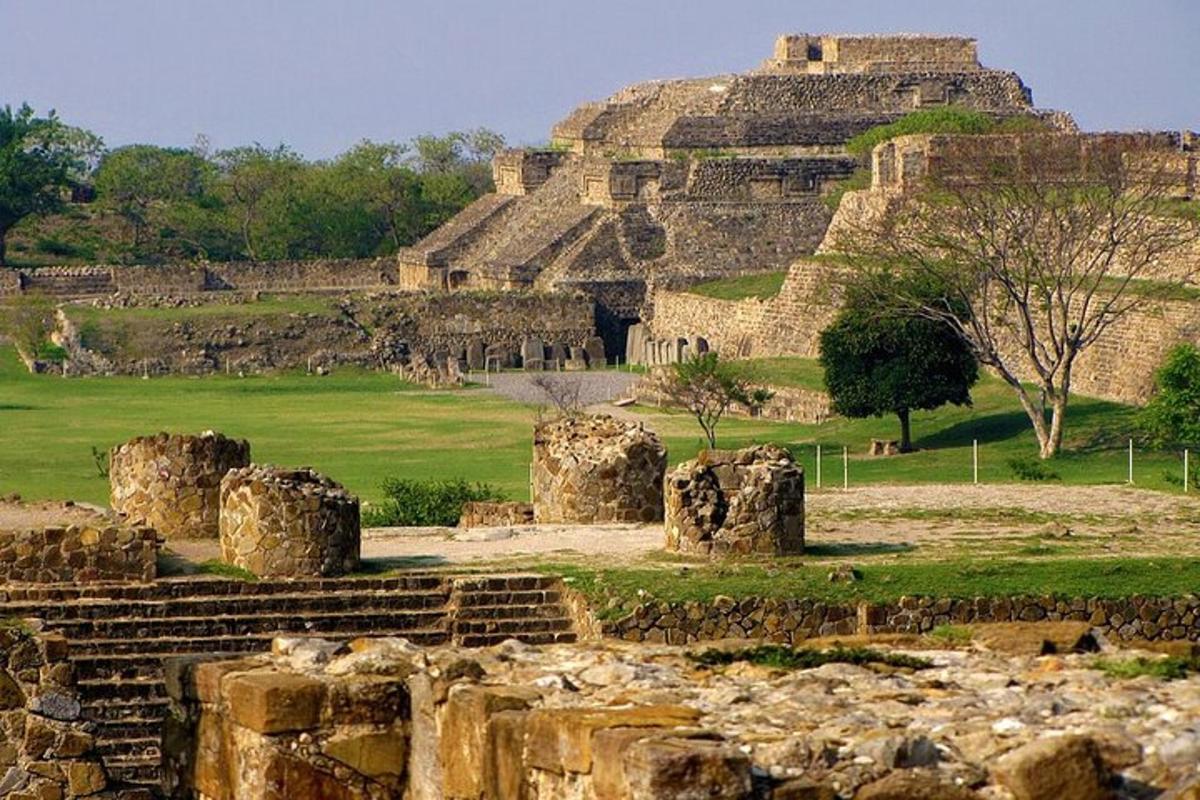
(1028, 468)
(1173, 414)
(881, 359)
(40, 160)
(1168, 668)
(155, 204)
(947, 119)
(425, 502)
(775, 655)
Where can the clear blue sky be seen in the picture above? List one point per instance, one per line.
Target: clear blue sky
(323, 75)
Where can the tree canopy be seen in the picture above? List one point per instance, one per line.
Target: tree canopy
(40, 160)
(1173, 414)
(879, 358)
(707, 386)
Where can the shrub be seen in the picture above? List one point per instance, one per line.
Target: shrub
(1028, 468)
(1173, 415)
(948, 119)
(1169, 668)
(48, 351)
(425, 503)
(774, 655)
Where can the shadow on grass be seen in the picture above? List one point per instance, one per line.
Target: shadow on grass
(16, 407)
(841, 549)
(379, 566)
(992, 428)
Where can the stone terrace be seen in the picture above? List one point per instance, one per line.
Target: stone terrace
(120, 635)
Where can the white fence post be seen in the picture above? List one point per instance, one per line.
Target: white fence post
(818, 466)
(1131, 461)
(975, 460)
(845, 467)
(1185, 470)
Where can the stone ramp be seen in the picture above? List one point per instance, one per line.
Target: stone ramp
(122, 634)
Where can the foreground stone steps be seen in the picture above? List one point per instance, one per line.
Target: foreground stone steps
(120, 636)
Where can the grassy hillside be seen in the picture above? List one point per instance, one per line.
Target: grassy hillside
(760, 285)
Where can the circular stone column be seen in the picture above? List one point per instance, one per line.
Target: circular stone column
(172, 482)
(288, 523)
(597, 469)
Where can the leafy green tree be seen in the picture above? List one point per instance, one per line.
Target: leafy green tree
(146, 186)
(255, 183)
(1173, 414)
(27, 320)
(374, 176)
(707, 387)
(881, 359)
(40, 160)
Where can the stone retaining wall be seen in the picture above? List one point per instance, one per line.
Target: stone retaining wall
(597, 469)
(172, 482)
(488, 514)
(100, 549)
(787, 403)
(793, 621)
(288, 523)
(46, 749)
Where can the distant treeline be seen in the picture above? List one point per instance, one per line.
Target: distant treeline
(65, 197)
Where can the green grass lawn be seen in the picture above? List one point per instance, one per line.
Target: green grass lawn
(266, 306)
(795, 577)
(761, 285)
(359, 427)
(802, 373)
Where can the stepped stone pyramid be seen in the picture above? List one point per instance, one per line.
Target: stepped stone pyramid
(671, 182)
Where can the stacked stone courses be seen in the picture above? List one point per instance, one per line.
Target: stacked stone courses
(82, 547)
(743, 502)
(291, 523)
(172, 482)
(592, 469)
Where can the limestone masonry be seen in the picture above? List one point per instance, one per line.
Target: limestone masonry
(290, 523)
(597, 469)
(64, 543)
(673, 181)
(736, 503)
(172, 482)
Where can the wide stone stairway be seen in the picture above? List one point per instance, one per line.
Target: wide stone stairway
(120, 635)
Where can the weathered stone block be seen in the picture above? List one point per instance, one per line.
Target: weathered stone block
(560, 739)
(686, 769)
(274, 702)
(1064, 767)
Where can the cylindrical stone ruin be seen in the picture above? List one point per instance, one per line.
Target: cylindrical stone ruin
(172, 482)
(736, 503)
(597, 469)
(288, 523)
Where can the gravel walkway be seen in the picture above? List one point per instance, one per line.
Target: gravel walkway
(594, 387)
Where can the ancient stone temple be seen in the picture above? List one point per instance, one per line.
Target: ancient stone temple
(171, 482)
(288, 523)
(673, 181)
(597, 469)
(736, 503)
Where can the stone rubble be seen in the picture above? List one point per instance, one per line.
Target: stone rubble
(608, 721)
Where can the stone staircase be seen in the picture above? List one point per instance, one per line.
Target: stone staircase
(121, 635)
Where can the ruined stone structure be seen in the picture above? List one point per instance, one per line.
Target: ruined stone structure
(47, 749)
(787, 403)
(674, 181)
(489, 514)
(172, 482)
(291, 523)
(597, 469)
(739, 502)
(64, 543)
(380, 719)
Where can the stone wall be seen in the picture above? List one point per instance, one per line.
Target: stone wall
(68, 544)
(47, 751)
(172, 482)
(791, 621)
(597, 469)
(288, 523)
(174, 279)
(827, 54)
(728, 503)
(787, 403)
(495, 514)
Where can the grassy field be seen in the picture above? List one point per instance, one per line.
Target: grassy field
(762, 286)
(360, 427)
(266, 306)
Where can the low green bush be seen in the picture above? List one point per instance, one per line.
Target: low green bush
(425, 502)
(1028, 468)
(774, 655)
(1169, 668)
(48, 351)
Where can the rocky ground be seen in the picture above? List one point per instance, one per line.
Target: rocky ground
(993, 722)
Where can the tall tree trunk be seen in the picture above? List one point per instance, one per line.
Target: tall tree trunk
(905, 431)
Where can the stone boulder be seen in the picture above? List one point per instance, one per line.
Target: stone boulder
(288, 523)
(736, 502)
(1063, 767)
(597, 469)
(172, 482)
